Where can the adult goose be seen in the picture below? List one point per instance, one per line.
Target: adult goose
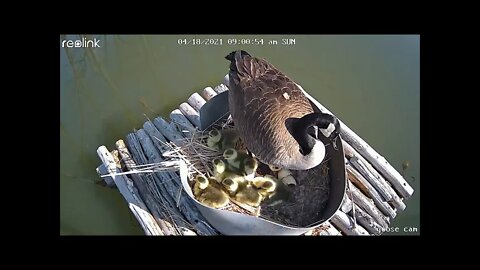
(273, 117)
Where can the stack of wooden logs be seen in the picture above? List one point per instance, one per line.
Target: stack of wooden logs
(375, 190)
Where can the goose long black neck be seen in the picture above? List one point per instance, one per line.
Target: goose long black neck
(300, 129)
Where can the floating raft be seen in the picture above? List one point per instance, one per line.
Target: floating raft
(375, 190)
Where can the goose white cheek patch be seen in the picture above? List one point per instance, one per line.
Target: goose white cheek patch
(326, 132)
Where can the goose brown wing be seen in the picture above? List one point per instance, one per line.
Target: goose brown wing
(260, 80)
(266, 98)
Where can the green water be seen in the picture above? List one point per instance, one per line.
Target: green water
(372, 83)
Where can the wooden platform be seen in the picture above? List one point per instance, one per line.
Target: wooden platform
(375, 190)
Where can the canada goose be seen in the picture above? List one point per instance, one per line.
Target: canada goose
(213, 140)
(249, 195)
(266, 194)
(231, 175)
(221, 140)
(220, 172)
(207, 193)
(234, 159)
(273, 116)
(231, 155)
(264, 183)
(201, 183)
(229, 138)
(241, 163)
(266, 186)
(281, 192)
(230, 185)
(219, 168)
(250, 166)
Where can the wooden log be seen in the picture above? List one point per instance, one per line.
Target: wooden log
(196, 101)
(131, 198)
(116, 158)
(120, 180)
(396, 201)
(157, 137)
(158, 190)
(221, 88)
(101, 170)
(208, 93)
(326, 229)
(378, 161)
(190, 113)
(330, 230)
(176, 180)
(172, 184)
(345, 224)
(168, 130)
(226, 80)
(151, 131)
(346, 204)
(128, 181)
(348, 150)
(182, 123)
(148, 223)
(165, 181)
(163, 218)
(196, 124)
(368, 222)
(368, 205)
(378, 182)
(375, 182)
(359, 181)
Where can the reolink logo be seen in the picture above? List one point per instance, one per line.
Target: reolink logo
(81, 43)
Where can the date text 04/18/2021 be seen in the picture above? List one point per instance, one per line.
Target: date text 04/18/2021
(235, 41)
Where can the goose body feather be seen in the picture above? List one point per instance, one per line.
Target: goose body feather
(261, 99)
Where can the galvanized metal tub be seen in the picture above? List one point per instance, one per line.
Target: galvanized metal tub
(232, 223)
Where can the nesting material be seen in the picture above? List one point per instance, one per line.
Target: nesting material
(292, 198)
(300, 205)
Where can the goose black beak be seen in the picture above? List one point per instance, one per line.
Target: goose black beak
(336, 132)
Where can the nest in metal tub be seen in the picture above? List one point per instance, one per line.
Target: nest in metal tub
(298, 204)
(304, 202)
